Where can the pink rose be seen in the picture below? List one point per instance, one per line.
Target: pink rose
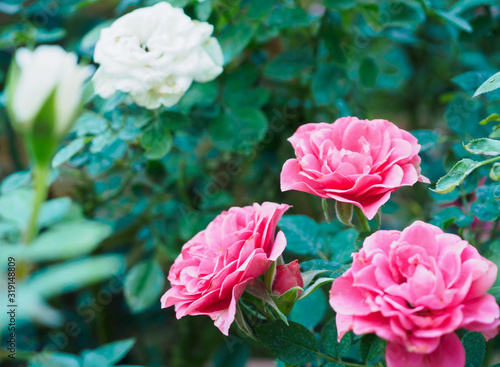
(215, 266)
(415, 288)
(353, 161)
(287, 277)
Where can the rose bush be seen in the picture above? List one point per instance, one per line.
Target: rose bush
(154, 54)
(216, 265)
(99, 194)
(354, 161)
(415, 288)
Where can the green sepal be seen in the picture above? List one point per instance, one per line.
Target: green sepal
(286, 301)
(344, 212)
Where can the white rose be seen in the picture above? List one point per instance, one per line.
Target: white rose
(154, 54)
(47, 77)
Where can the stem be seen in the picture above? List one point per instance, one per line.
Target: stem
(494, 230)
(362, 219)
(347, 364)
(41, 189)
(324, 204)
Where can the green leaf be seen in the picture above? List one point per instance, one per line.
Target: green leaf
(293, 344)
(370, 347)
(341, 245)
(256, 97)
(16, 207)
(157, 142)
(285, 17)
(329, 341)
(174, 121)
(484, 146)
(69, 276)
(456, 176)
(288, 65)
(456, 20)
(238, 129)
(64, 241)
(301, 312)
(329, 83)
(470, 80)
(88, 41)
(114, 352)
(233, 39)
(15, 181)
(102, 141)
(317, 283)
(54, 360)
(269, 276)
(475, 349)
(368, 72)
(68, 151)
(199, 94)
(143, 285)
(258, 289)
(91, 359)
(401, 13)
(331, 269)
(259, 9)
(451, 215)
(486, 211)
(308, 276)
(301, 233)
(53, 211)
(426, 138)
(242, 323)
(489, 85)
(344, 212)
(463, 115)
(340, 4)
(495, 172)
(203, 10)
(495, 292)
(462, 5)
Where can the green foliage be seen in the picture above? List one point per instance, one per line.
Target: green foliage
(131, 186)
(105, 356)
(143, 285)
(371, 347)
(489, 85)
(456, 175)
(475, 349)
(301, 310)
(329, 340)
(484, 146)
(293, 343)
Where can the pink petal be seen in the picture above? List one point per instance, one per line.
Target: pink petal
(449, 353)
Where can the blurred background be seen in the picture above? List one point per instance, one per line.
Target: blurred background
(126, 194)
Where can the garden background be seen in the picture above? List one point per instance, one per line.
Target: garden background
(130, 187)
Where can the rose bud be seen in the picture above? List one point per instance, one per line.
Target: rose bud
(286, 278)
(44, 97)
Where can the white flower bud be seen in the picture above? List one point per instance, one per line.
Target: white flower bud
(46, 78)
(154, 54)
